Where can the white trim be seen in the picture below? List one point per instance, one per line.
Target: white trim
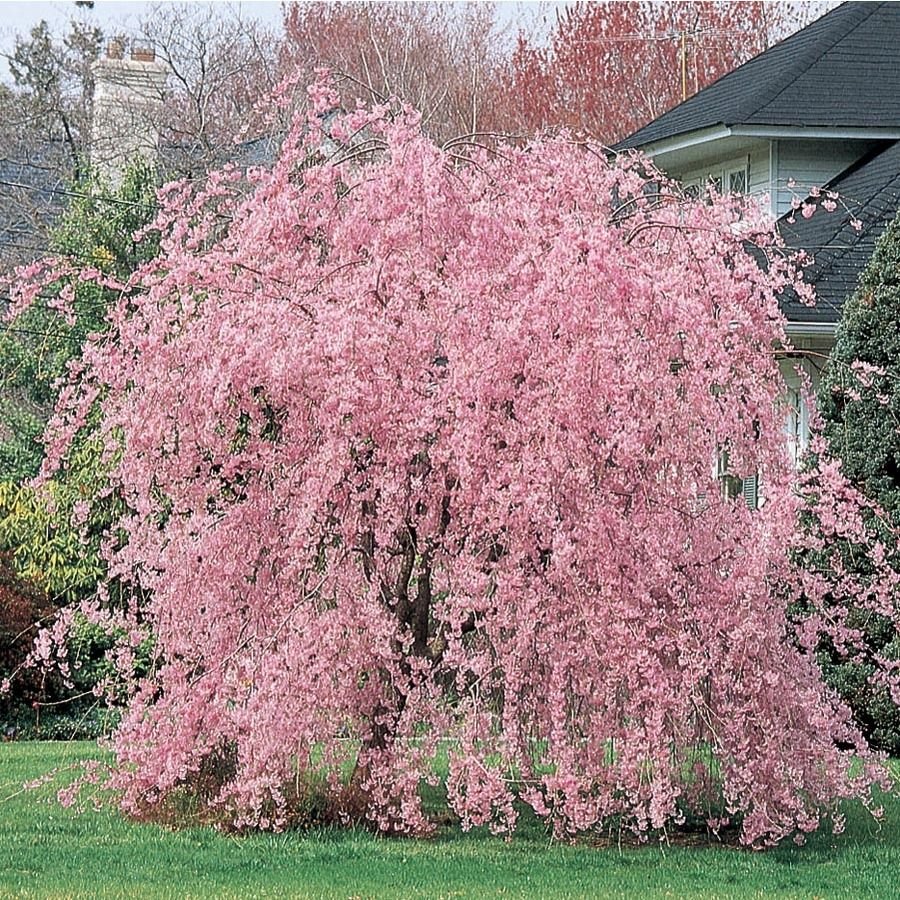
(818, 132)
(772, 132)
(773, 177)
(683, 141)
(810, 329)
(697, 182)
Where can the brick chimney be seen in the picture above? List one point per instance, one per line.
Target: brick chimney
(128, 99)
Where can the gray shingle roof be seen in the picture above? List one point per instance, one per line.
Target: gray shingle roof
(31, 196)
(817, 76)
(868, 191)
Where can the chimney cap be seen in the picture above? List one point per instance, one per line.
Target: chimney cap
(143, 54)
(115, 49)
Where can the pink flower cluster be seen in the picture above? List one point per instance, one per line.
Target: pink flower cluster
(420, 461)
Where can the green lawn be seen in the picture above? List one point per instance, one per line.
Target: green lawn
(46, 851)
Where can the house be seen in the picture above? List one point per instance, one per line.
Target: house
(36, 176)
(129, 93)
(821, 109)
(129, 105)
(32, 188)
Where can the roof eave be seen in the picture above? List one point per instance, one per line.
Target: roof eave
(772, 132)
(682, 141)
(806, 330)
(819, 132)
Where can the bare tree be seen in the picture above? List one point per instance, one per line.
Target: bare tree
(439, 58)
(205, 89)
(44, 131)
(611, 67)
(55, 84)
(221, 67)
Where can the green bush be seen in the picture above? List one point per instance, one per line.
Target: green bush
(859, 400)
(23, 607)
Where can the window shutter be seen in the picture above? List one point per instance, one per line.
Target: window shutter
(750, 491)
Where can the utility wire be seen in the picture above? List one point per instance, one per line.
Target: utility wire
(68, 192)
(35, 333)
(101, 305)
(63, 254)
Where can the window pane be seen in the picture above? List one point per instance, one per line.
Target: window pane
(737, 182)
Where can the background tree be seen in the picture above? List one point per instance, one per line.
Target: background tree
(52, 536)
(417, 455)
(222, 67)
(44, 132)
(611, 67)
(859, 401)
(96, 233)
(23, 610)
(55, 76)
(441, 59)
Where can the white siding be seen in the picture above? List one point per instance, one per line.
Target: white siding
(760, 183)
(809, 164)
(754, 160)
(782, 169)
(715, 168)
(800, 374)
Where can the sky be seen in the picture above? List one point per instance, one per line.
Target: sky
(18, 16)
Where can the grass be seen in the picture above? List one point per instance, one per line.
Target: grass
(50, 852)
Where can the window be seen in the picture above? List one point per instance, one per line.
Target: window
(731, 177)
(734, 486)
(799, 376)
(737, 181)
(796, 426)
(750, 491)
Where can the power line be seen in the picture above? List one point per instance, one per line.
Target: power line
(662, 36)
(68, 192)
(64, 254)
(13, 329)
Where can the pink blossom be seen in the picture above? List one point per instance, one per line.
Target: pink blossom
(418, 458)
(80, 512)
